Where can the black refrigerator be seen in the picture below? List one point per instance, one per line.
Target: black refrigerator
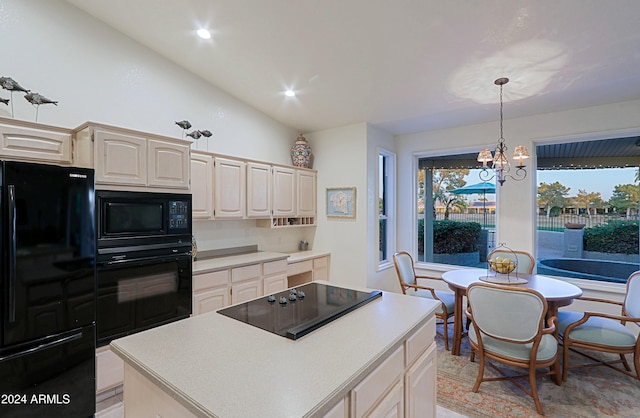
(47, 302)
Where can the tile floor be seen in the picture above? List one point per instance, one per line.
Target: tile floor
(111, 405)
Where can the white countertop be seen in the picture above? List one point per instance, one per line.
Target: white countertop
(217, 366)
(232, 261)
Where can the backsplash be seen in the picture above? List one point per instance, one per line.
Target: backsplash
(212, 235)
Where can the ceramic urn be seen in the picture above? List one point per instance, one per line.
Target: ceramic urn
(301, 155)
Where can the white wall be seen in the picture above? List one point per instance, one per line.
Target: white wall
(341, 161)
(99, 75)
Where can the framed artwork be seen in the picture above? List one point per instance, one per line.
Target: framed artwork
(341, 202)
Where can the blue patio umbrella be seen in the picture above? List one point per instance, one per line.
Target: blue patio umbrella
(479, 188)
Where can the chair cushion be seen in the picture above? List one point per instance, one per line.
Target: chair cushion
(546, 350)
(596, 330)
(447, 298)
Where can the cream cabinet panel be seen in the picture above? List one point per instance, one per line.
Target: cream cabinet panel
(244, 291)
(109, 369)
(210, 300)
(306, 196)
(168, 164)
(275, 284)
(120, 158)
(258, 190)
(229, 189)
(392, 405)
(284, 187)
(46, 144)
(321, 268)
(202, 185)
(340, 410)
(421, 387)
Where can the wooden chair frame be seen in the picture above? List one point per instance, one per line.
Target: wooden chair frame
(445, 315)
(568, 343)
(532, 364)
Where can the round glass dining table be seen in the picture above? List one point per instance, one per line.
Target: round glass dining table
(556, 292)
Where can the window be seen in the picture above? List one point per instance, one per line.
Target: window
(587, 199)
(386, 206)
(455, 215)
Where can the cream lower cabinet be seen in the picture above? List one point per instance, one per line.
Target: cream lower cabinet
(109, 370)
(403, 385)
(210, 291)
(217, 289)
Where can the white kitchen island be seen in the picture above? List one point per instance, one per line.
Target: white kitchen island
(376, 359)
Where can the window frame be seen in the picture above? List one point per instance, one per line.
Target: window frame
(387, 186)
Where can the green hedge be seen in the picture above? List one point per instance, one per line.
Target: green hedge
(614, 237)
(451, 237)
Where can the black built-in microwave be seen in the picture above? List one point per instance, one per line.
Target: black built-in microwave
(133, 219)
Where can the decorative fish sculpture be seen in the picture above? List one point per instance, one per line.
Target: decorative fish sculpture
(184, 124)
(38, 99)
(3, 100)
(195, 134)
(9, 83)
(206, 133)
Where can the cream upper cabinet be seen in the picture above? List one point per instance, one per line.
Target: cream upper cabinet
(306, 196)
(130, 160)
(120, 158)
(258, 190)
(202, 185)
(284, 187)
(33, 142)
(229, 188)
(168, 164)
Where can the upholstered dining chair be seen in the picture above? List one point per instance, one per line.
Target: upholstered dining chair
(409, 285)
(525, 260)
(604, 332)
(508, 326)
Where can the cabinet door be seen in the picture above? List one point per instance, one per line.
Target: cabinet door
(244, 291)
(120, 159)
(202, 185)
(420, 383)
(35, 144)
(229, 189)
(321, 268)
(258, 190)
(274, 284)
(168, 164)
(210, 300)
(284, 196)
(109, 369)
(392, 404)
(306, 198)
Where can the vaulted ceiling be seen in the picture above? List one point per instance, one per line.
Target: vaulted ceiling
(404, 66)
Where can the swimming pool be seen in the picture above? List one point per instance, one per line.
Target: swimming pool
(579, 268)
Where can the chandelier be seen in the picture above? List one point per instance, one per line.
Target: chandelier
(499, 161)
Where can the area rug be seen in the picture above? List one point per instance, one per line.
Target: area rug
(589, 392)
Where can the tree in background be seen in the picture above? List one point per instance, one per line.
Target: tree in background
(552, 195)
(444, 181)
(588, 201)
(624, 198)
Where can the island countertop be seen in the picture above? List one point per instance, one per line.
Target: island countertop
(218, 367)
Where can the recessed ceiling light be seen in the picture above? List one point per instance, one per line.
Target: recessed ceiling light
(204, 34)
(290, 93)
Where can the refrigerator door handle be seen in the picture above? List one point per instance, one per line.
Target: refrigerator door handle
(51, 344)
(12, 252)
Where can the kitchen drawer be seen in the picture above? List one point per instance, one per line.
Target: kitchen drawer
(320, 262)
(212, 279)
(274, 267)
(367, 392)
(299, 267)
(420, 340)
(245, 273)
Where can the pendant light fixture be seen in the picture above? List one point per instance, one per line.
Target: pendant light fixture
(499, 161)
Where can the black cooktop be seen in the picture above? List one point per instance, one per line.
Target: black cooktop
(296, 312)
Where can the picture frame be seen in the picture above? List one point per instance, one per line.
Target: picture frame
(341, 202)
